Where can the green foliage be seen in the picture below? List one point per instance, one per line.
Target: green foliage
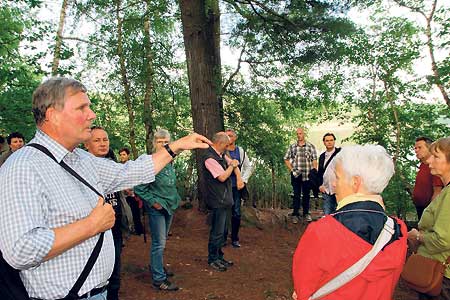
(19, 74)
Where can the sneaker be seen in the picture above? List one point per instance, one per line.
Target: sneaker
(218, 266)
(294, 219)
(167, 271)
(308, 218)
(226, 263)
(236, 244)
(166, 285)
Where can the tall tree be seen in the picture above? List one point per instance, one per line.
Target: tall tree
(429, 17)
(59, 37)
(124, 77)
(149, 78)
(201, 34)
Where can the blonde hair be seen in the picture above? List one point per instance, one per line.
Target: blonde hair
(442, 145)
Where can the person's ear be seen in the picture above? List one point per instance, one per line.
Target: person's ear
(356, 183)
(52, 115)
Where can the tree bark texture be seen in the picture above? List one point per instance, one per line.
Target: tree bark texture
(125, 81)
(201, 33)
(149, 75)
(58, 39)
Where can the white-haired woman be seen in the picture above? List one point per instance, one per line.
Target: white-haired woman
(334, 243)
(433, 236)
(160, 200)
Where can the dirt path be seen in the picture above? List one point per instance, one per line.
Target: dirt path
(262, 269)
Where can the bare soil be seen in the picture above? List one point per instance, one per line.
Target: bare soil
(262, 269)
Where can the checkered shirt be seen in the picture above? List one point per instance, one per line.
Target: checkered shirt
(301, 158)
(38, 195)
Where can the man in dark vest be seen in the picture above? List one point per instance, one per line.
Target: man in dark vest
(327, 174)
(217, 169)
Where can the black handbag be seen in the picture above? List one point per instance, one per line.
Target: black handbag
(11, 286)
(314, 179)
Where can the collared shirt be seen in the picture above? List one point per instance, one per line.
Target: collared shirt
(38, 195)
(214, 167)
(163, 190)
(360, 197)
(301, 158)
(424, 186)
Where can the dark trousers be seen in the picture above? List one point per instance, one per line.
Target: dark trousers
(218, 219)
(136, 212)
(114, 281)
(444, 295)
(235, 217)
(303, 188)
(419, 210)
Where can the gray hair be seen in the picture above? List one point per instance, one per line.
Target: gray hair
(220, 137)
(53, 93)
(160, 134)
(370, 162)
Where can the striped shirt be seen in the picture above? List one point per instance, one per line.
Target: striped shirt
(301, 158)
(38, 195)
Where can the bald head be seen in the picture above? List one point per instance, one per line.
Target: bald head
(220, 141)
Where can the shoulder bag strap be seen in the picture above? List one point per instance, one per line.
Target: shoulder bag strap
(358, 267)
(336, 151)
(73, 293)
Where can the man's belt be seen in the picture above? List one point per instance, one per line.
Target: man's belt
(91, 293)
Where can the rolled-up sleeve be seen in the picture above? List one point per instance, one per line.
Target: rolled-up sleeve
(23, 244)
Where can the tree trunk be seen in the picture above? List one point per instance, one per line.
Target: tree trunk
(149, 74)
(436, 76)
(201, 33)
(125, 82)
(272, 172)
(58, 40)
(434, 68)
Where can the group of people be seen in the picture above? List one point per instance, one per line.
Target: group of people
(309, 173)
(356, 251)
(52, 189)
(66, 205)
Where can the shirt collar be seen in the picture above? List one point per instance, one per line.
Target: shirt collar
(358, 197)
(58, 151)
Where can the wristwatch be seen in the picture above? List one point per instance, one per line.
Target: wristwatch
(173, 154)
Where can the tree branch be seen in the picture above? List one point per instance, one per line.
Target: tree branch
(225, 86)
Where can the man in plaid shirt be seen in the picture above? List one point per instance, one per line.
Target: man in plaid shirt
(50, 221)
(300, 158)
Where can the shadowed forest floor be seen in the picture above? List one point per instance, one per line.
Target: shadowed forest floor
(262, 269)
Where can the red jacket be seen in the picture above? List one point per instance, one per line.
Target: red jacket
(327, 248)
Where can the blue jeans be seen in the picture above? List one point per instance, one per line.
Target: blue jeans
(329, 203)
(159, 221)
(101, 296)
(218, 219)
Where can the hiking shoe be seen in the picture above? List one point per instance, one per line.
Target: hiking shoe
(226, 263)
(218, 266)
(236, 244)
(308, 218)
(166, 285)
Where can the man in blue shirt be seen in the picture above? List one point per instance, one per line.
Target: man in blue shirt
(50, 222)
